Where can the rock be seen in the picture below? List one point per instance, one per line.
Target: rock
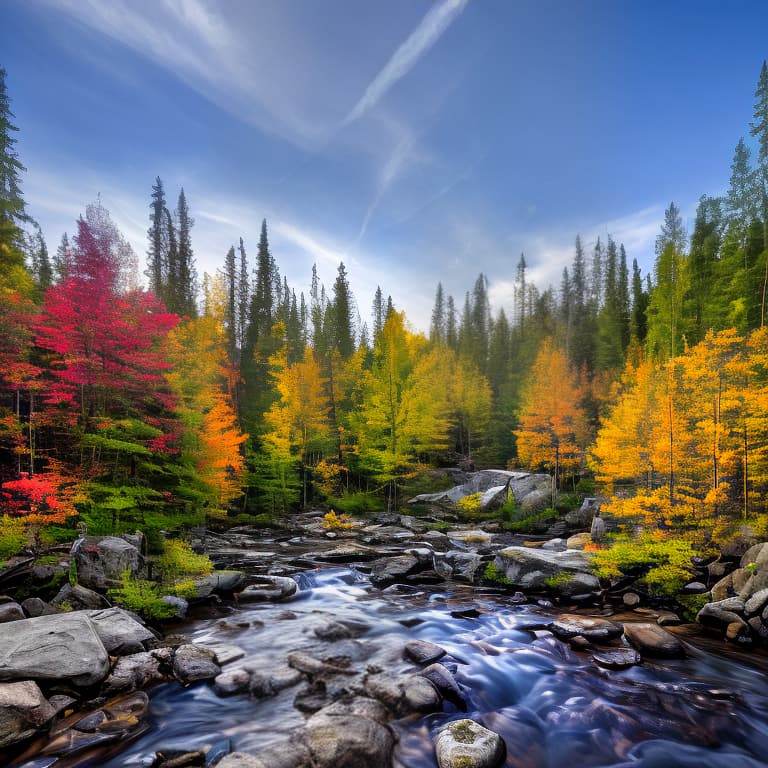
(737, 630)
(594, 629)
(531, 569)
(272, 588)
(668, 619)
(227, 653)
(79, 598)
(23, 711)
(34, 606)
(11, 612)
(179, 604)
(467, 744)
(443, 680)
(758, 627)
(470, 536)
(620, 658)
(739, 544)
(315, 667)
(289, 754)
(331, 631)
(192, 663)
(352, 735)
(232, 681)
(423, 652)
(120, 633)
(598, 529)
(403, 694)
(224, 582)
(62, 648)
(756, 602)
(578, 540)
(264, 684)
(387, 570)
(554, 545)
(101, 561)
(652, 640)
(694, 588)
(536, 501)
(581, 518)
(137, 671)
(722, 613)
(757, 554)
(464, 565)
(631, 599)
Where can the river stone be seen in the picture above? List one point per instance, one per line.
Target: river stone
(721, 613)
(268, 588)
(463, 564)
(652, 640)
(101, 561)
(443, 680)
(62, 648)
(467, 744)
(619, 658)
(423, 652)
(192, 663)
(313, 667)
(179, 604)
(34, 606)
(595, 629)
(631, 599)
(218, 581)
(11, 612)
(137, 671)
(264, 684)
(530, 568)
(387, 570)
(756, 602)
(79, 598)
(350, 734)
(23, 710)
(121, 634)
(232, 681)
(403, 694)
(288, 754)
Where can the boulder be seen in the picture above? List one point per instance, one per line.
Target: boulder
(350, 734)
(79, 598)
(289, 754)
(11, 612)
(387, 570)
(581, 518)
(192, 663)
(578, 540)
(722, 613)
(468, 744)
(224, 582)
(532, 568)
(101, 560)
(570, 625)
(554, 545)
(34, 606)
(464, 565)
(137, 671)
(536, 501)
(23, 711)
(179, 604)
(120, 633)
(232, 681)
(403, 694)
(423, 652)
(652, 640)
(270, 588)
(443, 680)
(618, 658)
(270, 683)
(64, 648)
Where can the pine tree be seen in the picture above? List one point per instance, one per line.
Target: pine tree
(596, 276)
(742, 199)
(12, 206)
(480, 322)
(451, 332)
(230, 308)
(186, 272)
(342, 333)
(672, 231)
(759, 128)
(157, 254)
(172, 288)
(43, 272)
(243, 296)
(625, 307)
(437, 326)
(639, 322)
(378, 313)
(62, 259)
(610, 354)
(520, 294)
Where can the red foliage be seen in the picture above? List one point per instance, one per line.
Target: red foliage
(44, 497)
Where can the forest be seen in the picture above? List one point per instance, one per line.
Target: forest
(168, 398)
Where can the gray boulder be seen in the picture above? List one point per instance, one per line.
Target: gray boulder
(592, 628)
(403, 694)
(268, 588)
(468, 744)
(538, 569)
(63, 648)
(79, 598)
(120, 633)
(101, 560)
(34, 606)
(137, 671)
(464, 565)
(387, 570)
(536, 501)
(652, 640)
(289, 754)
(192, 663)
(350, 734)
(423, 652)
(23, 711)
(11, 612)
(581, 519)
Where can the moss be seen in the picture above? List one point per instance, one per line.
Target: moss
(470, 505)
(558, 580)
(463, 761)
(463, 732)
(492, 573)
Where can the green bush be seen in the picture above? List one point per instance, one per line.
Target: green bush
(142, 597)
(13, 536)
(356, 503)
(178, 559)
(532, 522)
(492, 573)
(558, 580)
(470, 505)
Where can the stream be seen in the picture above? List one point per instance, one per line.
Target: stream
(553, 706)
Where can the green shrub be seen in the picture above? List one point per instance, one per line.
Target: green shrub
(470, 505)
(142, 597)
(13, 536)
(178, 559)
(530, 523)
(492, 573)
(566, 502)
(558, 580)
(356, 503)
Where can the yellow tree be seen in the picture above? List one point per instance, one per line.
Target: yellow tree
(553, 430)
(469, 393)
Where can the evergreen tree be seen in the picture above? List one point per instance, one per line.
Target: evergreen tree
(597, 285)
(243, 296)
(520, 293)
(378, 313)
(759, 128)
(625, 307)
(62, 259)
(742, 199)
(262, 301)
(639, 322)
(186, 273)
(437, 326)
(230, 307)
(42, 270)
(480, 323)
(672, 231)
(451, 332)
(12, 207)
(342, 333)
(610, 354)
(158, 244)
(172, 289)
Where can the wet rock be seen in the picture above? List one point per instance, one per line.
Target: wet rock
(265, 684)
(232, 681)
(423, 652)
(756, 602)
(594, 629)
(62, 648)
(34, 606)
(290, 754)
(403, 694)
(315, 667)
(443, 680)
(531, 568)
(652, 640)
(226, 654)
(468, 744)
(581, 518)
(101, 561)
(554, 545)
(722, 613)
(631, 599)
(23, 711)
(737, 631)
(271, 588)
(579, 643)
(120, 633)
(137, 671)
(331, 631)
(79, 598)
(11, 612)
(694, 588)
(463, 564)
(179, 604)
(668, 619)
(192, 663)
(578, 541)
(224, 582)
(389, 569)
(350, 734)
(620, 658)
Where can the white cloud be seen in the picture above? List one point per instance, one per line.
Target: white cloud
(426, 34)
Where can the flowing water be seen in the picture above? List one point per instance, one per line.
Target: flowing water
(554, 707)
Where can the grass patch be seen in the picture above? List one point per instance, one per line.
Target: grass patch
(356, 503)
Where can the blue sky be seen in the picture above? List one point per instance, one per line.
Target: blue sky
(416, 141)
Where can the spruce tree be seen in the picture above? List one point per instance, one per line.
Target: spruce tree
(230, 307)
(437, 325)
(378, 313)
(451, 332)
(759, 128)
(186, 271)
(343, 336)
(61, 259)
(702, 268)
(742, 200)
(672, 231)
(158, 243)
(172, 288)
(520, 293)
(243, 295)
(625, 306)
(639, 322)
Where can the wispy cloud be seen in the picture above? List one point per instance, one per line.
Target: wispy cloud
(428, 32)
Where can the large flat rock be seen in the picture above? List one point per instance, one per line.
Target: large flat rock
(60, 648)
(531, 568)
